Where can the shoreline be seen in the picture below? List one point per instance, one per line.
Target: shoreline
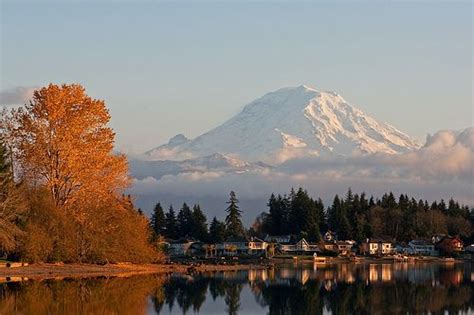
(76, 270)
(59, 271)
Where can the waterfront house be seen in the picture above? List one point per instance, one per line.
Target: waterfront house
(257, 246)
(469, 252)
(376, 247)
(302, 247)
(329, 246)
(450, 245)
(279, 239)
(242, 246)
(180, 247)
(344, 247)
(422, 247)
(329, 236)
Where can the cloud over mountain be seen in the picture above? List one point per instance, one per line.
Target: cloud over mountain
(442, 168)
(312, 139)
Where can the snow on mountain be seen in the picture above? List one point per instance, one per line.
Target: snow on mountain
(291, 122)
(216, 162)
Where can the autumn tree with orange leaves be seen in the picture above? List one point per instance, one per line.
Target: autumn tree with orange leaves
(62, 144)
(62, 140)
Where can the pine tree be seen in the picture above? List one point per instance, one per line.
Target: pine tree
(171, 230)
(200, 226)
(185, 221)
(274, 215)
(233, 221)
(216, 231)
(333, 213)
(158, 221)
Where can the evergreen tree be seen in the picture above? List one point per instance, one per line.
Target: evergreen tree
(321, 214)
(333, 214)
(171, 224)
(200, 226)
(185, 221)
(216, 231)
(158, 221)
(233, 221)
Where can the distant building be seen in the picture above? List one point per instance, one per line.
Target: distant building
(329, 236)
(469, 249)
(180, 247)
(302, 247)
(280, 239)
(422, 247)
(344, 247)
(242, 246)
(449, 245)
(377, 247)
(329, 246)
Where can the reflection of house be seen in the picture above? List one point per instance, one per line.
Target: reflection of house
(301, 247)
(422, 247)
(376, 247)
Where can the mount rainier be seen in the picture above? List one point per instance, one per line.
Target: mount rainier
(288, 123)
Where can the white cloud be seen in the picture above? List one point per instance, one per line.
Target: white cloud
(443, 168)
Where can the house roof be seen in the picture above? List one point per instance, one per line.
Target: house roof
(378, 240)
(182, 241)
(421, 242)
(236, 240)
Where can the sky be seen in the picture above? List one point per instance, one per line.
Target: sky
(165, 68)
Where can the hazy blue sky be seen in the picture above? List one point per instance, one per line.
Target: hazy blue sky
(167, 68)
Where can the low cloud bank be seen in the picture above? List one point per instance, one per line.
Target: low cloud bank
(442, 168)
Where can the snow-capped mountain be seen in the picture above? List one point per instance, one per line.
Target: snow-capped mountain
(291, 122)
(216, 162)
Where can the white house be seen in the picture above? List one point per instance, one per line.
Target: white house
(301, 247)
(242, 246)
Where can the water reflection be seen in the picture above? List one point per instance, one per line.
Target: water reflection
(285, 289)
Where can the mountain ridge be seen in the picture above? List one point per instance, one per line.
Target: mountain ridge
(291, 122)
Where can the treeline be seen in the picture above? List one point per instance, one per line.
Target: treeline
(357, 217)
(354, 216)
(61, 185)
(192, 223)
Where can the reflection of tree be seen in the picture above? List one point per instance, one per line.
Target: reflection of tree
(291, 299)
(82, 296)
(217, 288)
(414, 294)
(232, 298)
(186, 293)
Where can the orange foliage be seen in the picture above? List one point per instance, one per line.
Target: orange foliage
(62, 145)
(63, 141)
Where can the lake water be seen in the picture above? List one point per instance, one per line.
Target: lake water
(392, 288)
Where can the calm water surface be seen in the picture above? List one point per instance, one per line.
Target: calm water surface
(286, 289)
